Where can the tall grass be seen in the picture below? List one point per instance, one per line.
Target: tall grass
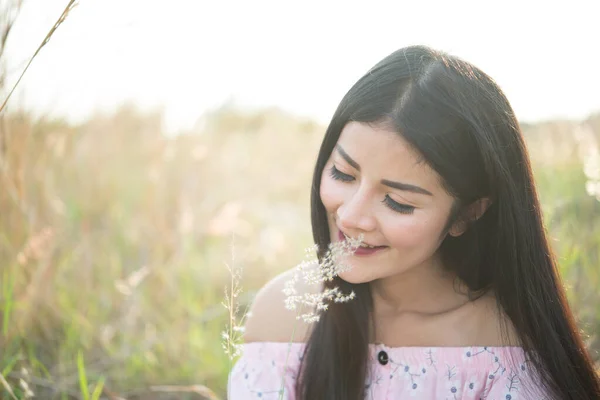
(114, 240)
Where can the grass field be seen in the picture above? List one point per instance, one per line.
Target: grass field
(114, 241)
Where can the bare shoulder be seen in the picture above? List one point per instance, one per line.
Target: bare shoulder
(494, 327)
(269, 320)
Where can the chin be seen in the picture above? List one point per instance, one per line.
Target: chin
(355, 277)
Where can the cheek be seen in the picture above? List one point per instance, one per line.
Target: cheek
(415, 231)
(331, 193)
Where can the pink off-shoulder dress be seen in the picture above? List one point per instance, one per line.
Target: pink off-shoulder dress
(431, 373)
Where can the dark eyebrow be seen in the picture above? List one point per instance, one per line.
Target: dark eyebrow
(406, 187)
(348, 159)
(396, 185)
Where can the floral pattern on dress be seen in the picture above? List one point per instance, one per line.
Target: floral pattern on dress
(440, 373)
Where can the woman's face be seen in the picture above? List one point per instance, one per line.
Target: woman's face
(373, 184)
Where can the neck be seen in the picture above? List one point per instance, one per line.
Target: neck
(425, 290)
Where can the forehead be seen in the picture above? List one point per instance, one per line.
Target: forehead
(385, 154)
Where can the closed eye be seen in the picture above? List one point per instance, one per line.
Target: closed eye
(391, 204)
(398, 207)
(339, 175)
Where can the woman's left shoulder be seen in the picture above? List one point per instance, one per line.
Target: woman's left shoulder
(493, 326)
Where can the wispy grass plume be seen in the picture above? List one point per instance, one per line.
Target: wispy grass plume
(232, 335)
(313, 273)
(61, 19)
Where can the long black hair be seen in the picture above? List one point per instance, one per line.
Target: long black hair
(461, 123)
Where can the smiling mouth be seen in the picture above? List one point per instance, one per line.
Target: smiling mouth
(343, 236)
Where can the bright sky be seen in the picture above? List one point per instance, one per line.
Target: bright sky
(191, 56)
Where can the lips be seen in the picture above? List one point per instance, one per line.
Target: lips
(362, 251)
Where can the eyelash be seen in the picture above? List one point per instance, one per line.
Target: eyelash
(393, 205)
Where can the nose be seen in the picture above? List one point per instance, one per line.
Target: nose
(354, 214)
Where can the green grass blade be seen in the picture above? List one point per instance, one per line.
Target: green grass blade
(98, 390)
(9, 366)
(8, 301)
(82, 378)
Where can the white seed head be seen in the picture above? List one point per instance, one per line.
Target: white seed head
(314, 272)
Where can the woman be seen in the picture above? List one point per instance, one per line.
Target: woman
(457, 290)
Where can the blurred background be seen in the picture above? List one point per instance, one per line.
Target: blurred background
(153, 144)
